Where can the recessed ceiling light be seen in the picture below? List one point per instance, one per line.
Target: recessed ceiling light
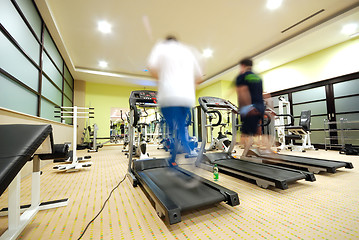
(263, 65)
(104, 27)
(349, 28)
(207, 53)
(103, 64)
(273, 4)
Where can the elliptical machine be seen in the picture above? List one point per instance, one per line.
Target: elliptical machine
(139, 149)
(141, 144)
(222, 142)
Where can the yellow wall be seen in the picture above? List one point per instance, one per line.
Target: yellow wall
(103, 97)
(334, 61)
(221, 89)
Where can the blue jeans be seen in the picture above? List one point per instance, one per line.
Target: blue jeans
(176, 121)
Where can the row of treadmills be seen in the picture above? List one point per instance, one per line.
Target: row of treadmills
(170, 197)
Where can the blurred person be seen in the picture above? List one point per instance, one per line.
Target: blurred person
(177, 70)
(249, 88)
(268, 138)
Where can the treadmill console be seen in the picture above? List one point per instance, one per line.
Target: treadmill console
(215, 103)
(142, 97)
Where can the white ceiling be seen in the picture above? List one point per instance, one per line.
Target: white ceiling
(231, 28)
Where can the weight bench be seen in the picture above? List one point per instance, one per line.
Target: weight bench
(301, 132)
(20, 143)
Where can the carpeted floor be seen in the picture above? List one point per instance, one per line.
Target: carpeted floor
(325, 209)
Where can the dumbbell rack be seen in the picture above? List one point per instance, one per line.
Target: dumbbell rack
(74, 114)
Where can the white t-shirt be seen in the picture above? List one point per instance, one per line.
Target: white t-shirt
(177, 69)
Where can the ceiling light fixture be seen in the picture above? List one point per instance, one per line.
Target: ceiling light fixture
(273, 4)
(349, 28)
(207, 53)
(103, 64)
(104, 27)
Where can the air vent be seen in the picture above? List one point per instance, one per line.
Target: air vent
(303, 20)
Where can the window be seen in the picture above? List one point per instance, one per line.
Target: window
(23, 87)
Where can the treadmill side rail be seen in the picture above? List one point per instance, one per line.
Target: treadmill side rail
(132, 178)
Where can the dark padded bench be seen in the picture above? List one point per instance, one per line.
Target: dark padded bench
(20, 143)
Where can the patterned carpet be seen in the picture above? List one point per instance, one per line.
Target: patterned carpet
(325, 209)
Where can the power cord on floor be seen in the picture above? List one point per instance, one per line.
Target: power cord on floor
(104, 204)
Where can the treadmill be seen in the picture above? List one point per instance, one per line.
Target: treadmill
(314, 165)
(165, 186)
(263, 174)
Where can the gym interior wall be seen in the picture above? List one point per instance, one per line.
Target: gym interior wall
(33, 74)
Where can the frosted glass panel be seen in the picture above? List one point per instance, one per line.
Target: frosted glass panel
(317, 122)
(51, 71)
(68, 90)
(309, 95)
(14, 24)
(350, 137)
(15, 97)
(350, 117)
(52, 50)
(346, 88)
(67, 103)
(50, 91)
(316, 108)
(47, 110)
(31, 14)
(12, 61)
(68, 77)
(348, 104)
(276, 100)
(317, 137)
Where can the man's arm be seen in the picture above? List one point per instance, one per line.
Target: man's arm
(153, 61)
(153, 72)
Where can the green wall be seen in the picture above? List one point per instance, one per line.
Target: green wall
(103, 97)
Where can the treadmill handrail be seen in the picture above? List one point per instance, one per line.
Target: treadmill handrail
(218, 104)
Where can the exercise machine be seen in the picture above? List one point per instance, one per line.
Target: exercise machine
(287, 133)
(222, 141)
(163, 184)
(140, 147)
(263, 174)
(35, 144)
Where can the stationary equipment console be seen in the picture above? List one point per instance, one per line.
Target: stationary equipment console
(143, 97)
(216, 103)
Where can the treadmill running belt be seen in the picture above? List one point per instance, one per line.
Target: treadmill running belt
(173, 183)
(308, 161)
(267, 172)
